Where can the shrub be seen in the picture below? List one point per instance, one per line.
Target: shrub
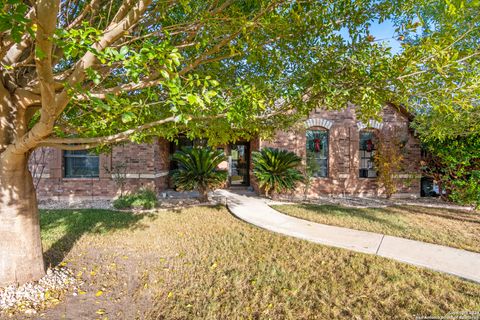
(142, 199)
(198, 170)
(455, 165)
(388, 161)
(276, 169)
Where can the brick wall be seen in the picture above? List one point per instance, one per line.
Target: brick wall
(146, 166)
(343, 156)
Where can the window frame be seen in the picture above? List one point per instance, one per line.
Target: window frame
(69, 154)
(318, 174)
(361, 157)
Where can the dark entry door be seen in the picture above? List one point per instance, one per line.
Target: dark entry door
(239, 164)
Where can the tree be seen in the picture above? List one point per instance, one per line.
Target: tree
(89, 73)
(86, 74)
(198, 170)
(455, 165)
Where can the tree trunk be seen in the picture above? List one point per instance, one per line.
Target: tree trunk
(21, 255)
(203, 195)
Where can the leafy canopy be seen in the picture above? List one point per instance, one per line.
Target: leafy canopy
(160, 68)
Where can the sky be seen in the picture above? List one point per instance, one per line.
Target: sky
(383, 32)
(386, 32)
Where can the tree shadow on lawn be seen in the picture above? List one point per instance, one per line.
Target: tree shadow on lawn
(62, 228)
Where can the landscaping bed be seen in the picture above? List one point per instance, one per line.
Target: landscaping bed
(202, 263)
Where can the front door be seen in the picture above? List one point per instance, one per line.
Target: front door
(239, 164)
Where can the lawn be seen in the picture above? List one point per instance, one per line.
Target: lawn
(454, 228)
(202, 263)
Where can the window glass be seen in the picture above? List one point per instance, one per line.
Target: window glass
(184, 142)
(367, 151)
(80, 164)
(317, 152)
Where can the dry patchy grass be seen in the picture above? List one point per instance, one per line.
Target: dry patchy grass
(201, 263)
(454, 228)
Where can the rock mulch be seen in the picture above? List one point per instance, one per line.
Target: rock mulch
(371, 202)
(74, 204)
(166, 200)
(173, 200)
(31, 297)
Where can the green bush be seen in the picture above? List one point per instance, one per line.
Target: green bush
(142, 199)
(198, 170)
(276, 169)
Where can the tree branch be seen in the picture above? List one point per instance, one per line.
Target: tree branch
(111, 34)
(108, 139)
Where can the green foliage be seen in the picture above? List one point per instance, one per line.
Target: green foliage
(198, 170)
(388, 160)
(13, 19)
(455, 165)
(276, 170)
(142, 199)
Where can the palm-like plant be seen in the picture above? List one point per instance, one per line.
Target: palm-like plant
(198, 170)
(276, 169)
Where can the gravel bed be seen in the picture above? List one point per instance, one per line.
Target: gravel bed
(74, 204)
(173, 200)
(166, 200)
(371, 202)
(32, 296)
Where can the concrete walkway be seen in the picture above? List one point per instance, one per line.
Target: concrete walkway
(254, 210)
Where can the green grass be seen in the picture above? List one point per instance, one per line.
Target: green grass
(201, 263)
(454, 228)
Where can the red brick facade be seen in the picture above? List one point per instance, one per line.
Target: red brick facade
(147, 165)
(343, 156)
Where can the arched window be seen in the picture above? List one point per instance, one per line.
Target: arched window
(317, 152)
(367, 147)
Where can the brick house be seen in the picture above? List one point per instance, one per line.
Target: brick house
(340, 146)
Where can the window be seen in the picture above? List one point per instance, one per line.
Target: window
(317, 152)
(184, 142)
(367, 151)
(80, 164)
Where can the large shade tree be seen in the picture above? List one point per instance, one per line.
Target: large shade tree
(78, 74)
(84, 74)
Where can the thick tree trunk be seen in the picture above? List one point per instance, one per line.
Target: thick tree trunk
(21, 256)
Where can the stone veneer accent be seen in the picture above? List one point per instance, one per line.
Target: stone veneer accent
(327, 124)
(373, 124)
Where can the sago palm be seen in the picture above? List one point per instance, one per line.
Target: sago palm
(276, 169)
(197, 170)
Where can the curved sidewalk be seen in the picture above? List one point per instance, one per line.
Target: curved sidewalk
(254, 210)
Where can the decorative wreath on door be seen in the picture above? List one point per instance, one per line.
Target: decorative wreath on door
(317, 145)
(369, 145)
